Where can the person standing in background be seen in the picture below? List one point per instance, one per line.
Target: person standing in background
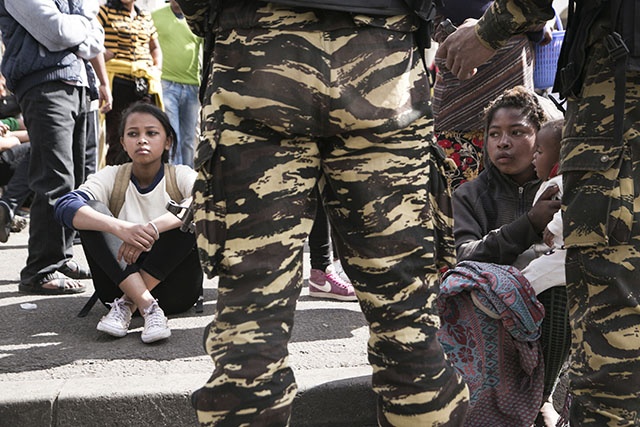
(134, 61)
(181, 63)
(48, 44)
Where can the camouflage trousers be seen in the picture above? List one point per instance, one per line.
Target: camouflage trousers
(602, 233)
(348, 110)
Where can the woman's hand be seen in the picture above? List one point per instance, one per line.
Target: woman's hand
(547, 237)
(542, 212)
(138, 236)
(128, 253)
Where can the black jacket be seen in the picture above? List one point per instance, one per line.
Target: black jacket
(490, 218)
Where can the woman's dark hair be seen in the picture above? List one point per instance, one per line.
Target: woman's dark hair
(145, 108)
(519, 98)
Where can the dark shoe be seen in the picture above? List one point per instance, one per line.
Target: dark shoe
(59, 284)
(73, 270)
(5, 222)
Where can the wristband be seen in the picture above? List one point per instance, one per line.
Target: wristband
(155, 229)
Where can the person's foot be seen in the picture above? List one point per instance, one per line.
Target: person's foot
(328, 284)
(337, 265)
(116, 322)
(156, 325)
(5, 222)
(53, 284)
(19, 223)
(74, 270)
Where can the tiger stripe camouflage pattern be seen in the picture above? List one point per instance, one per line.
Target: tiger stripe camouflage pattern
(602, 228)
(286, 108)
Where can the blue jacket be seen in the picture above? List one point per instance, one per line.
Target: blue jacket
(27, 63)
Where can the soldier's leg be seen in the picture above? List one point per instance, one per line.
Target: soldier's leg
(254, 213)
(604, 372)
(602, 231)
(385, 214)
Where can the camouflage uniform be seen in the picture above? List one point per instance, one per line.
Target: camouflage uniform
(601, 228)
(295, 98)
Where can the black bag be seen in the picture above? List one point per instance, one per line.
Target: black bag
(9, 107)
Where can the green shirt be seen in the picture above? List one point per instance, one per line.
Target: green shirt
(181, 49)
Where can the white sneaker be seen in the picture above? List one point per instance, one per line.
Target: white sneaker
(337, 265)
(116, 322)
(155, 324)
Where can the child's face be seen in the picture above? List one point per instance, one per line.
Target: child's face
(511, 143)
(547, 153)
(144, 138)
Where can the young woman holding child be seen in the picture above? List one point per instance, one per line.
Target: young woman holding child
(138, 256)
(493, 325)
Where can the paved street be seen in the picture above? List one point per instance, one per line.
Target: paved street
(56, 369)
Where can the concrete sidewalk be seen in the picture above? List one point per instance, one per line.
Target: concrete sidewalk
(57, 370)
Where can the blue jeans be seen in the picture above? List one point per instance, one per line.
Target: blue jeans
(182, 106)
(55, 114)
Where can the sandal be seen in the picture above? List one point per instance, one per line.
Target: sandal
(60, 281)
(73, 270)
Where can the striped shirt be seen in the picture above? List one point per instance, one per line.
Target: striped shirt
(128, 38)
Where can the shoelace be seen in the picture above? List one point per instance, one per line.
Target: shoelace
(117, 309)
(336, 279)
(153, 317)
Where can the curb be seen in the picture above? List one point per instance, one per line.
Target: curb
(336, 397)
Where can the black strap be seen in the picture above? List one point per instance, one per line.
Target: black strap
(619, 53)
(89, 305)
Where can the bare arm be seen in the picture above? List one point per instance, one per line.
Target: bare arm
(106, 97)
(156, 53)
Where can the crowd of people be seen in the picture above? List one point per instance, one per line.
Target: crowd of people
(489, 237)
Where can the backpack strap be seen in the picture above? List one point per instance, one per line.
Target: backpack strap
(171, 183)
(123, 177)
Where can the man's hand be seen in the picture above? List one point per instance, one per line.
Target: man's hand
(106, 99)
(463, 52)
(542, 212)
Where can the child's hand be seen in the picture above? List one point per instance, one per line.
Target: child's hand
(547, 237)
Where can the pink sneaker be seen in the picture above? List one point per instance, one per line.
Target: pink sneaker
(328, 284)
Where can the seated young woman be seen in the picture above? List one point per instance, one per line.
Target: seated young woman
(139, 258)
(493, 323)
